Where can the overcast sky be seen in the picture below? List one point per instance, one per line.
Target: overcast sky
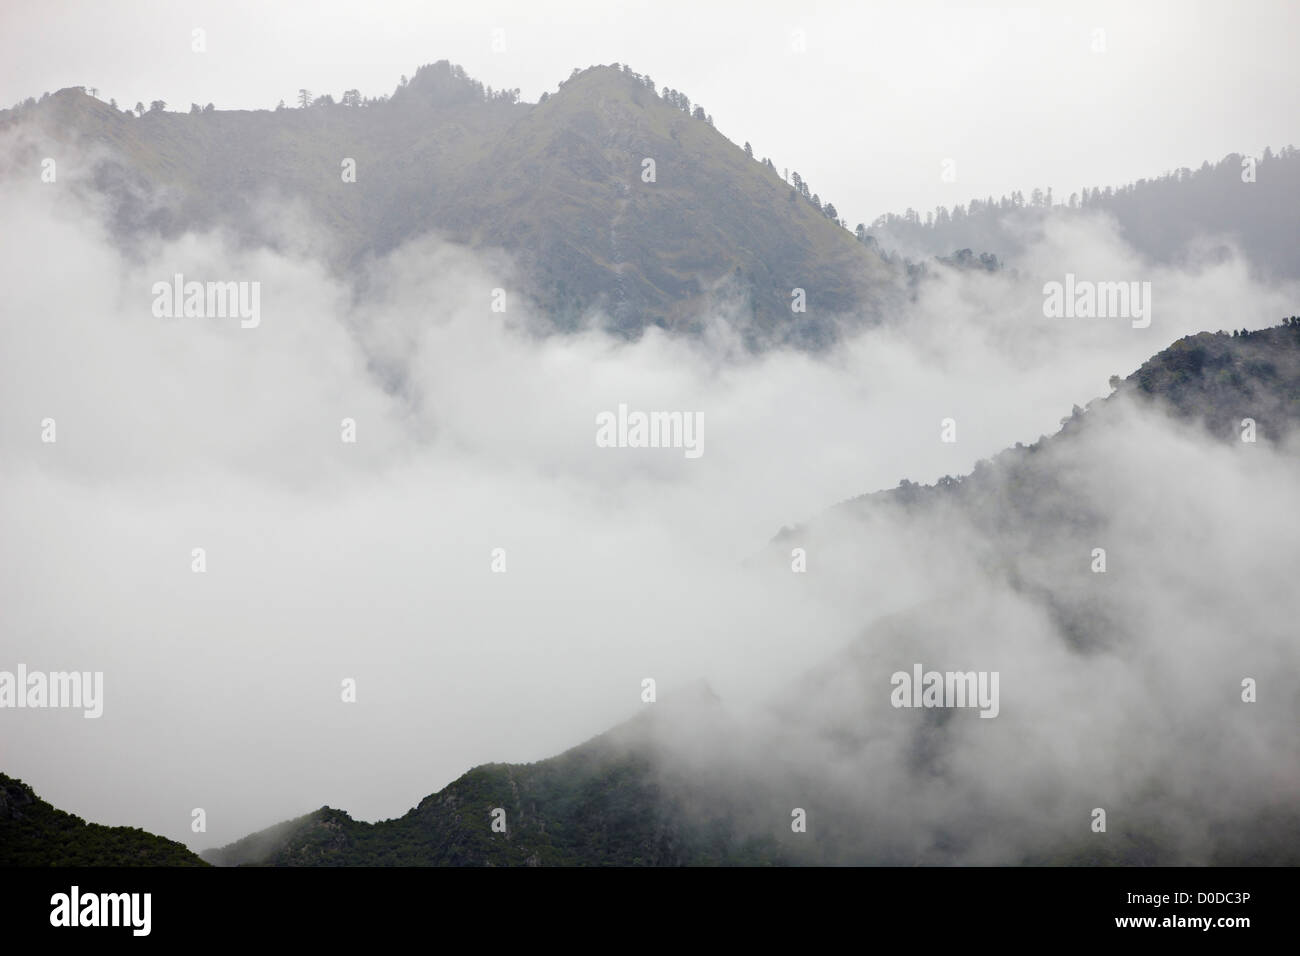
(882, 95)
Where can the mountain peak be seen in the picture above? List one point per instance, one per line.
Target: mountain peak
(623, 206)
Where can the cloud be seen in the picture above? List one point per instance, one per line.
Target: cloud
(372, 560)
(1145, 719)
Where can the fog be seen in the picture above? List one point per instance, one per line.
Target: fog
(373, 560)
(1145, 721)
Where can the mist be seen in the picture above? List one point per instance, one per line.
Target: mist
(374, 560)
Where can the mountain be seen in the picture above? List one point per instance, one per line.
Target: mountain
(613, 801)
(1011, 550)
(1214, 380)
(558, 186)
(687, 782)
(1026, 500)
(1247, 200)
(33, 833)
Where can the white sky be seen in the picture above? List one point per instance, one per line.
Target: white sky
(884, 93)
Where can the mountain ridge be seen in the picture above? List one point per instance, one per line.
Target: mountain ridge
(34, 833)
(563, 186)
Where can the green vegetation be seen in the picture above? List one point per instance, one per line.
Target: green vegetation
(599, 804)
(1215, 379)
(33, 833)
(1156, 216)
(556, 184)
